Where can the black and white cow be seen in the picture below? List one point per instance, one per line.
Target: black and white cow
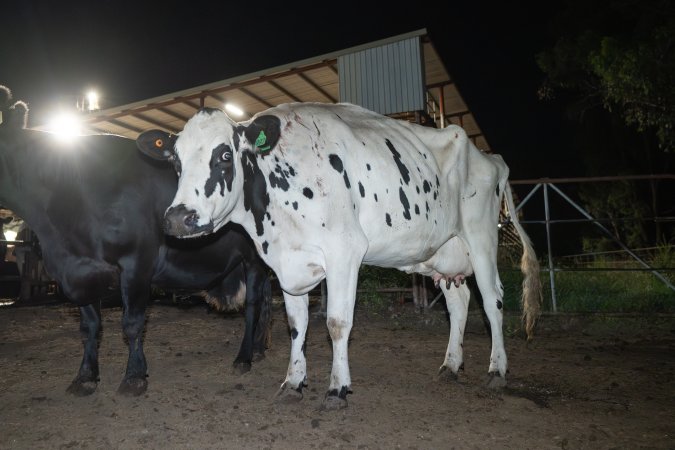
(97, 207)
(324, 188)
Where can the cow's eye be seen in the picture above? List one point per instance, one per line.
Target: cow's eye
(226, 155)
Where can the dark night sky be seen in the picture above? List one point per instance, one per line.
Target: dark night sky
(130, 51)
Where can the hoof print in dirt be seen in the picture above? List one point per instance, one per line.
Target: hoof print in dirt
(241, 367)
(495, 381)
(82, 388)
(333, 403)
(445, 375)
(288, 395)
(133, 387)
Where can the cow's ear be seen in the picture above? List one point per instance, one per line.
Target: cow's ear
(15, 117)
(157, 144)
(264, 133)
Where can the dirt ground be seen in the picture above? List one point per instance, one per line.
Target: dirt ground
(582, 384)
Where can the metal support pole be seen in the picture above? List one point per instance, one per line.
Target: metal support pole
(551, 274)
(527, 197)
(610, 235)
(441, 105)
(415, 291)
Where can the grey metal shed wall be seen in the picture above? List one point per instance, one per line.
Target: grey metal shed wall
(388, 79)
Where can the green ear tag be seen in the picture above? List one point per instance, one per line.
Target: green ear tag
(260, 142)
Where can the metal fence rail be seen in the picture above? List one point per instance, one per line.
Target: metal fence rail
(550, 184)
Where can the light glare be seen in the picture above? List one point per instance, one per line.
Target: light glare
(92, 100)
(234, 109)
(10, 235)
(65, 125)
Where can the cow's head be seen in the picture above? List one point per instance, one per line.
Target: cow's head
(210, 156)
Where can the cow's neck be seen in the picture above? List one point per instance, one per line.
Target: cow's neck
(255, 205)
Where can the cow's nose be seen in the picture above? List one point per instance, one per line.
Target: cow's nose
(180, 221)
(191, 220)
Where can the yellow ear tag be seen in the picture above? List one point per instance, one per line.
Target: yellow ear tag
(159, 143)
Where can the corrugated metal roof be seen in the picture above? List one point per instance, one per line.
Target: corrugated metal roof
(310, 80)
(387, 79)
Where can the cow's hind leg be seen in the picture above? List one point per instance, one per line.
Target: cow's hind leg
(457, 301)
(297, 311)
(263, 328)
(487, 278)
(258, 299)
(87, 377)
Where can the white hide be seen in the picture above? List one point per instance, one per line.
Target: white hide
(452, 191)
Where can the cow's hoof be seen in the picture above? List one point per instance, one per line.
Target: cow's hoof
(333, 403)
(445, 374)
(258, 356)
(495, 381)
(81, 387)
(288, 395)
(132, 387)
(241, 367)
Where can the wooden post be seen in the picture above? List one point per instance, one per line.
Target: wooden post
(415, 291)
(423, 288)
(324, 298)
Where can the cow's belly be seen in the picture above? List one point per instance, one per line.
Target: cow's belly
(405, 242)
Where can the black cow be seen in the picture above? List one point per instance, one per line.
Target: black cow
(97, 206)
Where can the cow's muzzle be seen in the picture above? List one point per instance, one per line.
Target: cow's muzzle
(181, 221)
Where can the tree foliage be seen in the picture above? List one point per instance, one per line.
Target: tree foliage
(620, 55)
(617, 202)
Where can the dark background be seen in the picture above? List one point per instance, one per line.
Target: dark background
(50, 52)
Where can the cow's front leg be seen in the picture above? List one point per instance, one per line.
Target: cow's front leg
(87, 377)
(133, 321)
(457, 301)
(340, 316)
(297, 311)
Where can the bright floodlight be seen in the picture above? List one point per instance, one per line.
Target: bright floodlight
(65, 125)
(237, 111)
(10, 235)
(92, 100)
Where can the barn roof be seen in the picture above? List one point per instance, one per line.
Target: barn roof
(310, 80)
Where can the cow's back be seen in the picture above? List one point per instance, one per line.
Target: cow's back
(372, 170)
(105, 172)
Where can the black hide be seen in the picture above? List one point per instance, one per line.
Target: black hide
(97, 207)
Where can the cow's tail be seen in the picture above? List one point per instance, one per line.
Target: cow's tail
(529, 266)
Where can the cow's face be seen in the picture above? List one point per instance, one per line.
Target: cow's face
(208, 156)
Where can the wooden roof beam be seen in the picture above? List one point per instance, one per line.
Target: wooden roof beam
(121, 124)
(173, 114)
(191, 104)
(323, 92)
(156, 123)
(255, 97)
(186, 98)
(283, 90)
(218, 98)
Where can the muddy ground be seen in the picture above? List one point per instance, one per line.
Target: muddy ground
(582, 384)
